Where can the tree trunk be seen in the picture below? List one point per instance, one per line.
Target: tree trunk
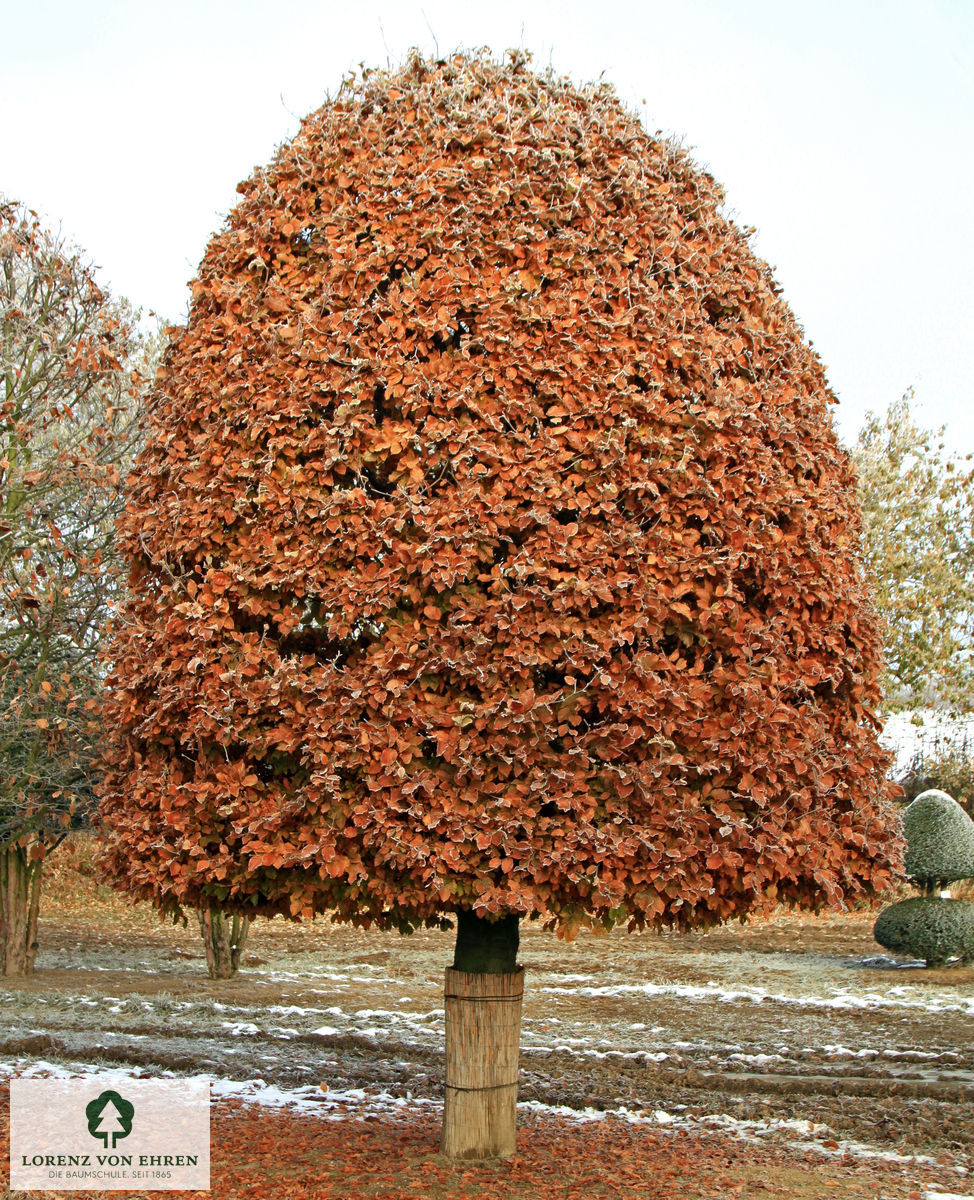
(224, 938)
(483, 1032)
(20, 895)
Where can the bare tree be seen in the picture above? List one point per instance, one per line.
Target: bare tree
(71, 367)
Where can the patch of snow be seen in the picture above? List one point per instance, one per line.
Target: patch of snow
(922, 1054)
(900, 996)
(283, 1010)
(811, 1136)
(757, 1060)
(241, 1028)
(361, 1104)
(655, 1056)
(723, 1120)
(845, 1052)
(338, 978)
(330, 1104)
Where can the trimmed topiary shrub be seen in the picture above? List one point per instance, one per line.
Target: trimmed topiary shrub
(939, 849)
(492, 549)
(939, 839)
(928, 927)
(493, 555)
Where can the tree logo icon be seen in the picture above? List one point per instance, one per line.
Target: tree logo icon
(110, 1118)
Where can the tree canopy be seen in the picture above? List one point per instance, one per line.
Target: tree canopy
(492, 548)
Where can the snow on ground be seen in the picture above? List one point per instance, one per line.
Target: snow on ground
(794, 1031)
(362, 1104)
(891, 997)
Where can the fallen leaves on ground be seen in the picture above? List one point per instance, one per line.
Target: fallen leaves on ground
(268, 1154)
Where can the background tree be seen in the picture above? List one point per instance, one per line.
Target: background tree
(70, 365)
(918, 527)
(224, 938)
(493, 555)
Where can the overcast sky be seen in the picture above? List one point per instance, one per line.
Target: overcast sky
(842, 130)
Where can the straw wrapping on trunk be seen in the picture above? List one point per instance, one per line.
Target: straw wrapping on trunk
(483, 1029)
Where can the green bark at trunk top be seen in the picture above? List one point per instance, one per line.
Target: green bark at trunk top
(486, 947)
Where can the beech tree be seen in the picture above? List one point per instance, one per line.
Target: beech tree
(918, 527)
(492, 556)
(69, 368)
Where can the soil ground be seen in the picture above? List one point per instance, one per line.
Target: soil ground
(794, 1029)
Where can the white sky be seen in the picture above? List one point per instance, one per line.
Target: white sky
(843, 130)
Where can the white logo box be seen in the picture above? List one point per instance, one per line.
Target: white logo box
(109, 1132)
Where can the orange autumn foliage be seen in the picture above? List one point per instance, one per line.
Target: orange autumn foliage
(492, 547)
